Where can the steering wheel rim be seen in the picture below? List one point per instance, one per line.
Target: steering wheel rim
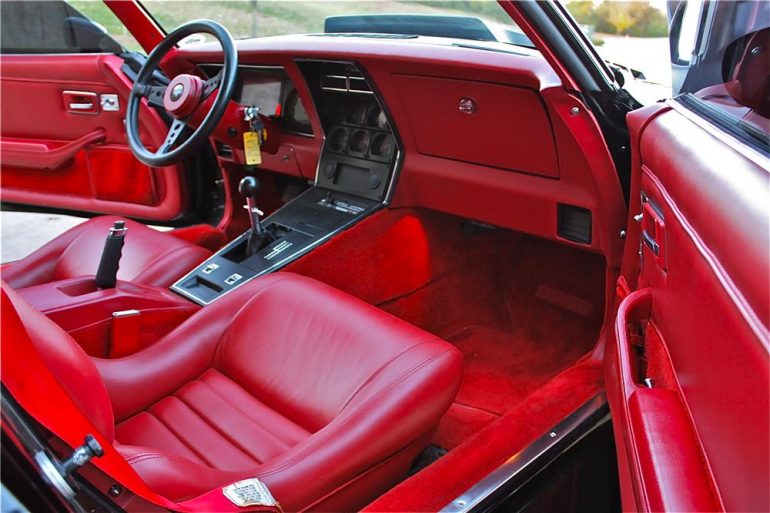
(223, 83)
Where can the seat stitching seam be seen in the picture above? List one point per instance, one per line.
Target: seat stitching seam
(182, 440)
(139, 458)
(237, 408)
(216, 428)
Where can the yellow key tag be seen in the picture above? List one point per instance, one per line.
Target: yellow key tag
(251, 148)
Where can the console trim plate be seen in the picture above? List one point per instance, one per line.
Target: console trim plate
(179, 289)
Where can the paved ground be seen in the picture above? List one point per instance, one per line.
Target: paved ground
(21, 232)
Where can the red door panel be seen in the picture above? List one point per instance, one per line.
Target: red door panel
(61, 148)
(695, 437)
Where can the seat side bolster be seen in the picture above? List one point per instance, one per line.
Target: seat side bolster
(63, 356)
(184, 477)
(164, 270)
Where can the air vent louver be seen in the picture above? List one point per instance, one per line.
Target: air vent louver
(574, 223)
(348, 83)
(224, 150)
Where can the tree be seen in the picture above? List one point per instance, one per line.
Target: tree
(619, 15)
(650, 22)
(630, 18)
(583, 11)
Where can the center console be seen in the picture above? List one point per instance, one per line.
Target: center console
(109, 322)
(355, 176)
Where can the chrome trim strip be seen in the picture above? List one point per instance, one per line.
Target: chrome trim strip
(531, 455)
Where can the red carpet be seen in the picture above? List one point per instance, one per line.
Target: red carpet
(522, 310)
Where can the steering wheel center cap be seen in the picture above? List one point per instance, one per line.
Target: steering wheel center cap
(176, 92)
(183, 95)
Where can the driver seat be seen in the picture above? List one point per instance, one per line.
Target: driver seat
(149, 257)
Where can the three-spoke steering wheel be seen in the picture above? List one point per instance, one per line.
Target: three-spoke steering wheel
(181, 97)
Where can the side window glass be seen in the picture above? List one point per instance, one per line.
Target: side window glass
(54, 26)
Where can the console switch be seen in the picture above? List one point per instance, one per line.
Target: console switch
(233, 279)
(210, 268)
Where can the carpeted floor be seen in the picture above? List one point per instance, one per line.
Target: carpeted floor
(521, 309)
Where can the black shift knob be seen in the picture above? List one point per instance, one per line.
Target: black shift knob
(248, 187)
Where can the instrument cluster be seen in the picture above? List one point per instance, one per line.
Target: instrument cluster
(363, 131)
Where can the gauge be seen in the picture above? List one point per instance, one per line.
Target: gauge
(338, 140)
(376, 118)
(295, 117)
(383, 146)
(357, 115)
(359, 141)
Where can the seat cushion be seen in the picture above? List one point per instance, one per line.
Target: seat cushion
(214, 422)
(149, 257)
(288, 380)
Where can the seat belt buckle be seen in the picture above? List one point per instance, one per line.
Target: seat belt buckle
(250, 492)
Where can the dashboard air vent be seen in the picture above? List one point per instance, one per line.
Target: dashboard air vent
(348, 83)
(224, 150)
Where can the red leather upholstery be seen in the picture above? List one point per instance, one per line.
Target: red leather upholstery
(286, 379)
(149, 257)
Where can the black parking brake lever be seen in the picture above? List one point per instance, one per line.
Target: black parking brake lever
(107, 274)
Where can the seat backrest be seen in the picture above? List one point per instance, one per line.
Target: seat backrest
(63, 356)
(309, 351)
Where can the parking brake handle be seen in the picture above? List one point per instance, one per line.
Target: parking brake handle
(107, 274)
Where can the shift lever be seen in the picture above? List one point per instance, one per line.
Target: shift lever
(258, 236)
(248, 188)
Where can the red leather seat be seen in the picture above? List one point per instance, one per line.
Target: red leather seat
(326, 399)
(149, 257)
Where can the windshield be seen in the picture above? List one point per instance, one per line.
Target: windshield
(477, 20)
(630, 35)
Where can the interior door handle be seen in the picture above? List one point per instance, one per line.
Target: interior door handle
(654, 232)
(82, 106)
(650, 242)
(81, 102)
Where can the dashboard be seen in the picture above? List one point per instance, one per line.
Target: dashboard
(489, 135)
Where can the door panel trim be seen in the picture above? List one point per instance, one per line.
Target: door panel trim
(35, 112)
(743, 306)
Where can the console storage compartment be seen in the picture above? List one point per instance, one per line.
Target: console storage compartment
(109, 323)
